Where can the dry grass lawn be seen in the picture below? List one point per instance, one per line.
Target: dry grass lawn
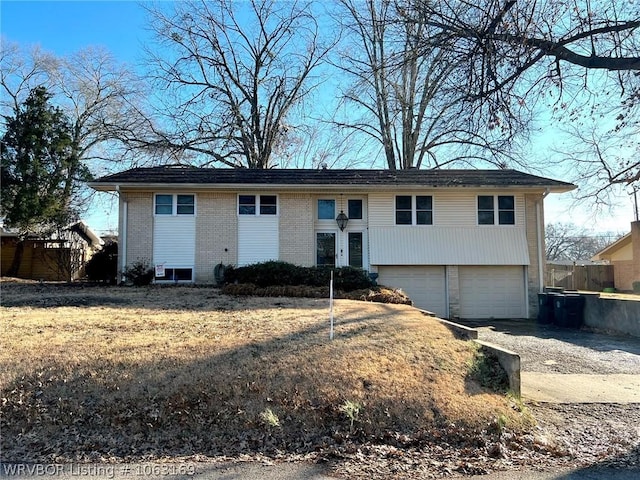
(98, 373)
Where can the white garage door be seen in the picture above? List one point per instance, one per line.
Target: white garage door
(424, 285)
(492, 292)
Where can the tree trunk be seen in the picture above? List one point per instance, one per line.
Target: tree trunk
(17, 259)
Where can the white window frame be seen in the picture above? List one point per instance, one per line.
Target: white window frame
(496, 211)
(176, 267)
(257, 205)
(414, 210)
(174, 205)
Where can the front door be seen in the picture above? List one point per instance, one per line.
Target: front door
(326, 249)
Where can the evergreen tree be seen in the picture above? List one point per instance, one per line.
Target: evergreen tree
(39, 170)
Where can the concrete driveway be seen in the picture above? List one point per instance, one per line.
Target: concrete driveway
(568, 366)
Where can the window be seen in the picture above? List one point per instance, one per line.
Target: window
(354, 209)
(403, 210)
(268, 205)
(257, 204)
(485, 210)
(166, 204)
(414, 210)
(326, 209)
(424, 210)
(176, 275)
(325, 249)
(355, 249)
(247, 205)
(506, 210)
(186, 205)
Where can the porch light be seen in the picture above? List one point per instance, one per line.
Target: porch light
(342, 220)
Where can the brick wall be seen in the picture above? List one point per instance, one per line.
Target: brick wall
(139, 226)
(216, 233)
(533, 270)
(296, 240)
(453, 283)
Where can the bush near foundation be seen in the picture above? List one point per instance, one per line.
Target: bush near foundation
(277, 273)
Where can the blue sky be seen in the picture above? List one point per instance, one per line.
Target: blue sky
(64, 27)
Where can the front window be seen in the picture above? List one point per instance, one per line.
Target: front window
(168, 204)
(326, 249)
(485, 210)
(326, 209)
(257, 204)
(505, 209)
(247, 205)
(355, 249)
(354, 209)
(424, 210)
(164, 204)
(403, 209)
(175, 275)
(268, 205)
(185, 205)
(414, 210)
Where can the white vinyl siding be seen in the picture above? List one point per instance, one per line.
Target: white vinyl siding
(174, 241)
(425, 285)
(257, 238)
(492, 292)
(458, 208)
(448, 246)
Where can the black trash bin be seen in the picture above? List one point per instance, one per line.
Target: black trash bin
(568, 310)
(545, 308)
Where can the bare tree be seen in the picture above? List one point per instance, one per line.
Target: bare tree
(580, 58)
(405, 92)
(230, 75)
(102, 99)
(566, 241)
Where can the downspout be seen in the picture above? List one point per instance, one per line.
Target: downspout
(123, 234)
(540, 229)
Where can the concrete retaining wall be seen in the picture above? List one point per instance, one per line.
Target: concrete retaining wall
(612, 314)
(508, 360)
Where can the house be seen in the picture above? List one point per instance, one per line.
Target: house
(624, 255)
(57, 257)
(461, 243)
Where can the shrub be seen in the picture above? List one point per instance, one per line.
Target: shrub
(103, 266)
(139, 273)
(277, 273)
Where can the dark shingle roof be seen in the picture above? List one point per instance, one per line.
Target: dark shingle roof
(173, 175)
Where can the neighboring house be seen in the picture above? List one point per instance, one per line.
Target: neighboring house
(54, 258)
(624, 255)
(461, 243)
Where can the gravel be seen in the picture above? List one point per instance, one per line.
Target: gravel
(550, 349)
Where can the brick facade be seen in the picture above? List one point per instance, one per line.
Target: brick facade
(216, 234)
(139, 227)
(296, 229)
(533, 208)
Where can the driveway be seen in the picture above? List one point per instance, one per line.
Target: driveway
(568, 366)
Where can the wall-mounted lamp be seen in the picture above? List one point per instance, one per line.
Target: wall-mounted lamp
(342, 220)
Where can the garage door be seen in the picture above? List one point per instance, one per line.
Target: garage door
(424, 285)
(492, 292)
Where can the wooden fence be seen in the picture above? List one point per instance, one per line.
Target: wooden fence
(580, 277)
